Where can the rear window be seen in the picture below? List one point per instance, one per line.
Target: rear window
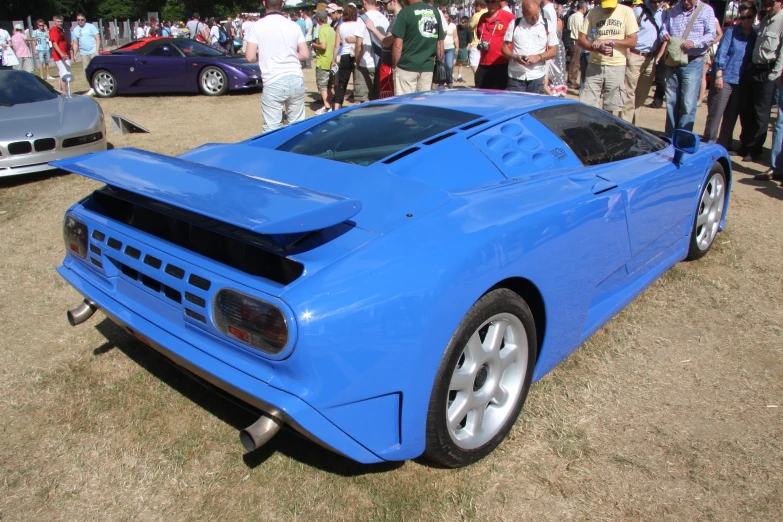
(367, 134)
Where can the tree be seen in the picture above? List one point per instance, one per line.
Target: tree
(120, 9)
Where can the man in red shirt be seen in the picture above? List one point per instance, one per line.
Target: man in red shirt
(492, 72)
(61, 50)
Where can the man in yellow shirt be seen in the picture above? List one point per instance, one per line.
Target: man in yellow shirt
(607, 32)
(474, 55)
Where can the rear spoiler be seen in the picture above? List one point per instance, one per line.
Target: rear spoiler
(260, 205)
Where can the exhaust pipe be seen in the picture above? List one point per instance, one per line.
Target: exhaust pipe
(259, 433)
(82, 312)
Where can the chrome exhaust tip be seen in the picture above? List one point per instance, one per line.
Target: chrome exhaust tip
(82, 312)
(259, 433)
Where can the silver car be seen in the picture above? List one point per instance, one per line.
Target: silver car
(39, 125)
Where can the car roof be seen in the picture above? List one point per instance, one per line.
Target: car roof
(482, 103)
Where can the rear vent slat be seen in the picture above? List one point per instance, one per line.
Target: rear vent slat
(194, 315)
(96, 262)
(196, 300)
(115, 244)
(473, 125)
(129, 272)
(175, 271)
(98, 236)
(199, 282)
(436, 139)
(154, 262)
(400, 155)
(95, 250)
(150, 283)
(135, 253)
(172, 294)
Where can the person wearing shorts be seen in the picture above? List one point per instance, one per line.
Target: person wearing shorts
(41, 37)
(61, 50)
(324, 52)
(474, 56)
(614, 27)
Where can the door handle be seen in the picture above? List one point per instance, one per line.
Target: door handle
(143, 62)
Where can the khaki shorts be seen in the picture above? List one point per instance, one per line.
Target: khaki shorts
(363, 80)
(605, 82)
(407, 82)
(322, 77)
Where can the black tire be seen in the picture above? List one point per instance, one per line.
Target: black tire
(711, 204)
(213, 81)
(104, 83)
(441, 445)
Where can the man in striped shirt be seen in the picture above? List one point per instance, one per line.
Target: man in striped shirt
(683, 81)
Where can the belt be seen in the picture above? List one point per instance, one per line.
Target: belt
(634, 51)
(691, 58)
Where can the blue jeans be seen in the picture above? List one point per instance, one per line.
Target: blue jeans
(287, 92)
(448, 59)
(776, 158)
(682, 95)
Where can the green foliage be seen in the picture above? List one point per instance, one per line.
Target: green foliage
(119, 9)
(174, 11)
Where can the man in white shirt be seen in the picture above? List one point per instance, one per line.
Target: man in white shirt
(308, 20)
(279, 46)
(140, 30)
(574, 23)
(246, 28)
(368, 60)
(528, 46)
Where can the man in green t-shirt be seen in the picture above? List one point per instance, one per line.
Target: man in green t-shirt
(418, 39)
(324, 52)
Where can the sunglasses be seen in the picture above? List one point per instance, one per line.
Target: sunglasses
(751, 17)
(81, 20)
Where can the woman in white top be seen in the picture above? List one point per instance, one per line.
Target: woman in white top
(450, 45)
(214, 33)
(344, 55)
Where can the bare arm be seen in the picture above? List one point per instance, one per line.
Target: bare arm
(440, 51)
(396, 52)
(337, 43)
(302, 52)
(626, 43)
(251, 52)
(97, 43)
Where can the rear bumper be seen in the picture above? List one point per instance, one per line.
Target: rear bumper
(291, 409)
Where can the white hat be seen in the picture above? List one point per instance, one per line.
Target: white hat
(19, 27)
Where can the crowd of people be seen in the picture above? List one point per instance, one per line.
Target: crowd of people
(613, 53)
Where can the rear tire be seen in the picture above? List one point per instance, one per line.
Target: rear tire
(104, 84)
(213, 81)
(709, 213)
(482, 381)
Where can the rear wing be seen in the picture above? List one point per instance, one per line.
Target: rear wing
(257, 204)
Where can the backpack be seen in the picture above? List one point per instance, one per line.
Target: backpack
(222, 35)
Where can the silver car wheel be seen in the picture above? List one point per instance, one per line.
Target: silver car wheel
(710, 211)
(103, 83)
(212, 81)
(487, 381)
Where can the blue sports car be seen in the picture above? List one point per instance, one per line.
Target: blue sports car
(390, 278)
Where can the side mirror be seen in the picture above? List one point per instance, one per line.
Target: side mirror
(684, 142)
(67, 78)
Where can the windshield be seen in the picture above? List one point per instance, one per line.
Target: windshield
(17, 87)
(367, 134)
(194, 48)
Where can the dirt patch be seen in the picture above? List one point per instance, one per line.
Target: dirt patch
(671, 411)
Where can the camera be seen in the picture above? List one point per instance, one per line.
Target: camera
(483, 46)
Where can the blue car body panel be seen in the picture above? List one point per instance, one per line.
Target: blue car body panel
(501, 201)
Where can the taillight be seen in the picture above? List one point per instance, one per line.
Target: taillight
(251, 321)
(75, 236)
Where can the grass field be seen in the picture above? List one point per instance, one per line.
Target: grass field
(672, 411)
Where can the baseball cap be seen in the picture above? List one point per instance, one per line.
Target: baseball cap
(331, 8)
(18, 27)
(608, 4)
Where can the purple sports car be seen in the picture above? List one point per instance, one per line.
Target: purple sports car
(157, 65)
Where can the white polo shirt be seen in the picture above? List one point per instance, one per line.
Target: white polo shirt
(529, 40)
(278, 39)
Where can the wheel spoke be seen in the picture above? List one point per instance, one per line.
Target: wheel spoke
(458, 409)
(494, 338)
(501, 396)
(461, 380)
(702, 218)
(508, 355)
(475, 352)
(476, 420)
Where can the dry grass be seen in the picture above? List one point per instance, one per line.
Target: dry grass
(665, 413)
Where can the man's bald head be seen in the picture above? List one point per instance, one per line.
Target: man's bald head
(530, 11)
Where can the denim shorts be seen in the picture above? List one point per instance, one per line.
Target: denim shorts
(44, 56)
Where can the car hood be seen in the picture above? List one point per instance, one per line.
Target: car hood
(60, 116)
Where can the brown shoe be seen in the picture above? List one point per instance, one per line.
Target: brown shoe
(769, 175)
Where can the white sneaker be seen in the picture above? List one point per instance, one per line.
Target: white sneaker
(91, 92)
(50, 77)
(323, 110)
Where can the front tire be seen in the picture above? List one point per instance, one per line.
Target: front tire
(104, 84)
(708, 214)
(482, 381)
(213, 81)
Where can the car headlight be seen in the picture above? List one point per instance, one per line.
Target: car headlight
(75, 236)
(251, 321)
